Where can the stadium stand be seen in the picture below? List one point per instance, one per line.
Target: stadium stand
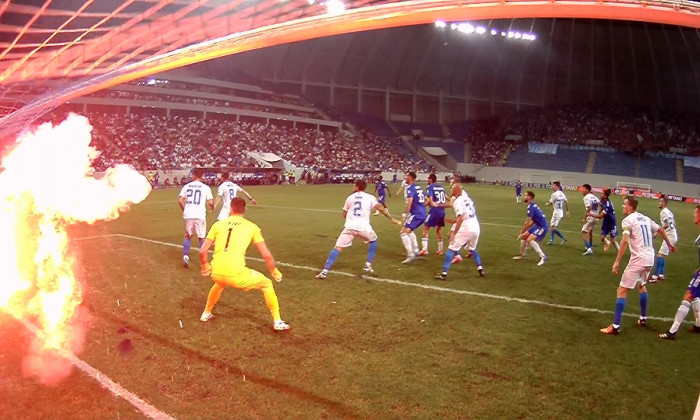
(565, 160)
(614, 164)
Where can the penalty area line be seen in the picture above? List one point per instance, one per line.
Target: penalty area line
(117, 390)
(430, 287)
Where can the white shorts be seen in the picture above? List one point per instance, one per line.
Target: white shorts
(663, 250)
(555, 220)
(634, 273)
(196, 226)
(348, 235)
(589, 225)
(224, 213)
(464, 238)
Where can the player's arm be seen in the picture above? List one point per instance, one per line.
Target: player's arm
(252, 200)
(588, 213)
(623, 247)
(528, 224)
(661, 232)
(458, 222)
(204, 251)
(345, 214)
(407, 209)
(665, 224)
(385, 212)
(211, 204)
(429, 202)
(269, 260)
(217, 201)
(388, 190)
(181, 202)
(566, 206)
(599, 215)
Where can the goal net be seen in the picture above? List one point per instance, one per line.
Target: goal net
(634, 186)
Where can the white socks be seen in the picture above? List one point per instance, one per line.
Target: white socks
(696, 309)
(680, 316)
(537, 249)
(425, 244)
(414, 243)
(406, 241)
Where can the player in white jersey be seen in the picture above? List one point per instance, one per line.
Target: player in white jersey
(691, 299)
(669, 226)
(403, 186)
(228, 191)
(560, 205)
(637, 230)
(357, 211)
(466, 230)
(592, 204)
(193, 201)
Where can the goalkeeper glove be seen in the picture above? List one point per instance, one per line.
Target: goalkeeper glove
(206, 269)
(276, 275)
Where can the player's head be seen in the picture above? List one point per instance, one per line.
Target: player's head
(197, 174)
(697, 215)
(662, 202)
(238, 206)
(410, 177)
(556, 186)
(629, 206)
(456, 189)
(360, 185)
(455, 179)
(432, 178)
(605, 195)
(586, 188)
(529, 196)
(225, 176)
(380, 177)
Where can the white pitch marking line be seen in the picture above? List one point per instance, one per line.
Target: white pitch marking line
(117, 390)
(85, 238)
(430, 287)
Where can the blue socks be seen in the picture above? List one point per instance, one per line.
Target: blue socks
(448, 260)
(660, 266)
(619, 308)
(643, 304)
(556, 231)
(331, 258)
(371, 252)
(477, 258)
(186, 246)
(552, 237)
(201, 242)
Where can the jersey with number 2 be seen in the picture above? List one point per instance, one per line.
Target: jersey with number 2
(359, 207)
(196, 195)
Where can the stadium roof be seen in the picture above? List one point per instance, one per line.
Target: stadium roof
(79, 46)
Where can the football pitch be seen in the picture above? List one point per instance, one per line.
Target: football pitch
(522, 342)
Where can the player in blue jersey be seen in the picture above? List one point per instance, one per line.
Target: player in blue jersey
(690, 299)
(518, 191)
(607, 213)
(534, 229)
(381, 190)
(435, 193)
(414, 215)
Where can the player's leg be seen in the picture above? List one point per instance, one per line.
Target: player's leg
(438, 232)
(629, 280)
(252, 279)
(643, 300)
(424, 240)
(414, 239)
(472, 241)
(371, 238)
(523, 246)
(587, 236)
(187, 243)
(212, 299)
(458, 240)
(690, 300)
(406, 241)
(200, 229)
(533, 240)
(344, 240)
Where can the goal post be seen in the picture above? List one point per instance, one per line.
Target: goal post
(634, 186)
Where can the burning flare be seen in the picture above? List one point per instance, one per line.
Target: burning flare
(46, 184)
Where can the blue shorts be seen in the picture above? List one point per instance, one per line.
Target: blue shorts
(413, 222)
(694, 286)
(607, 229)
(382, 199)
(434, 221)
(538, 231)
(518, 193)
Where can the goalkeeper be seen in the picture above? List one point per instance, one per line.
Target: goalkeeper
(231, 237)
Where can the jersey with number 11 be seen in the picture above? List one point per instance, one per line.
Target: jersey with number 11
(641, 231)
(359, 207)
(196, 195)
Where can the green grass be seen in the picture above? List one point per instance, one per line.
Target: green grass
(361, 348)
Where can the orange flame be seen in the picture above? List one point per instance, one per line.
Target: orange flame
(47, 183)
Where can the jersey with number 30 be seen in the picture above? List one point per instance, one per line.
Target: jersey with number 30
(641, 231)
(227, 191)
(438, 196)
(359, 207)
(196, 195)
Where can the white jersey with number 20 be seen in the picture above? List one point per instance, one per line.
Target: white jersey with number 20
(196, 195)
